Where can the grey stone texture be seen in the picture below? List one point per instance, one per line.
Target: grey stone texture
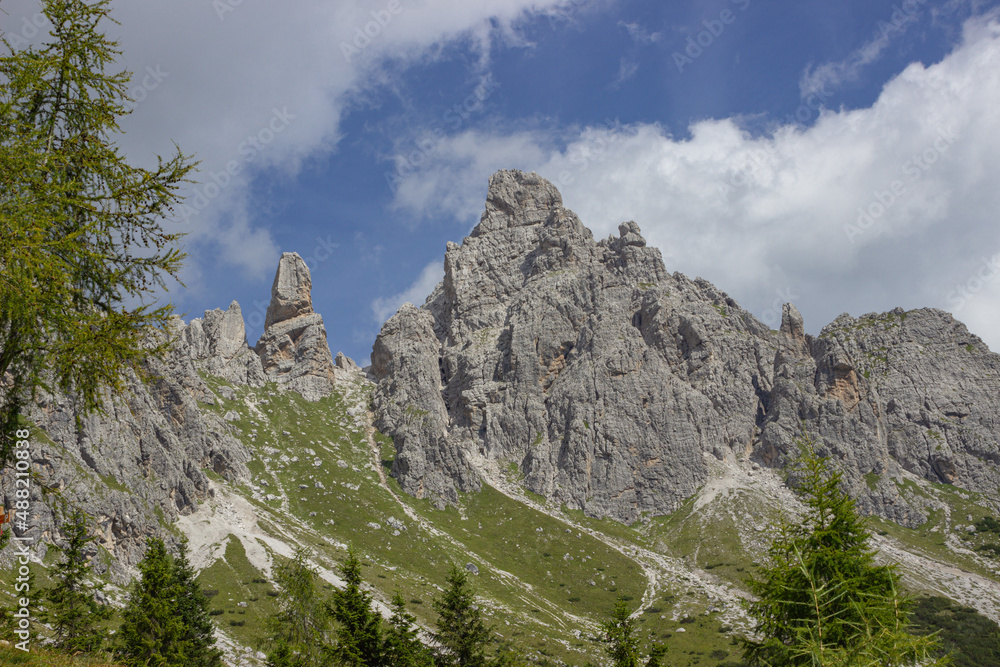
(294, 349)
(138, 465)
(142, 462)
(607, 380)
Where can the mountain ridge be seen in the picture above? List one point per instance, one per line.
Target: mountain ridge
(253, 451)
(538, 332)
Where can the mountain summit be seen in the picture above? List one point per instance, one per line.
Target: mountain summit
(607, 381)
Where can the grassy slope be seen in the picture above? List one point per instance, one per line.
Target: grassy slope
(546, 584)
(554, 609)
(535, 568)
(40, 657)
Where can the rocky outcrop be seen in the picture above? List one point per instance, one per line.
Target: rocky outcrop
(607, 380)
(888, 394)
(138, 465)
(294, 350)
(142, 462)
(218, 345)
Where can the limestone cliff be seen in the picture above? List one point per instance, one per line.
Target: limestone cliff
(607, 380)
(143, 462)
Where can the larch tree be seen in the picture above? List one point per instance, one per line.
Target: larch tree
(83, 242)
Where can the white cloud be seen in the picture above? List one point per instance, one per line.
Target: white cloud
(787, 216)
(834, 74)
(226, 69)
(639, 34)
(385, 307)
(452, 178)
(626, 70)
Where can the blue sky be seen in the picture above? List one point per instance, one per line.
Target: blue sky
(843, 156)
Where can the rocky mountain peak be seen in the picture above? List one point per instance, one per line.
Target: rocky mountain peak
(540, 348)
(293, 349)
(217, 343)
(792, 323)
(291, 293)
(517, 199)
(608, 381)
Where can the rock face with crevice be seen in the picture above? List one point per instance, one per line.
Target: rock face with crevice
(603, 377)
(607, 380)
(143, 462)
(890, 395)
(218, 345)
(294, 349)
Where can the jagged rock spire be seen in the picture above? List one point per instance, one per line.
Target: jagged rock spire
(294, 348)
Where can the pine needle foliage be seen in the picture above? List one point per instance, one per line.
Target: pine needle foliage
(82, 240)
(401, 643)
(299, 632)
(824, 601)
(462, 632)
(166, 622)
(193, 608)
(152, 632)
(358, 625)
(620, 635)
(72, 607)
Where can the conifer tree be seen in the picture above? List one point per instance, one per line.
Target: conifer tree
(401, 646)
(507, 655)
(72, 607)
(461, 631)
(823, 600)
(619, 635)
(192, 608)
(298, 633)
(358, 626)
(81, 230)
(657, 653)
(153, 633)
